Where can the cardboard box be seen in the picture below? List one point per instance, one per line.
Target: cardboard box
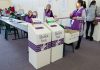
(57, 41)
(71, 36)
(39, 44)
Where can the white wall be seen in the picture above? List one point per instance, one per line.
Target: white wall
(5, 3)
(97, 1)
(59, 7)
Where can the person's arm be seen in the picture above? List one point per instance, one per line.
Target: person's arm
(71, 14)
(83, 17)
(26, 18)
(51, 14)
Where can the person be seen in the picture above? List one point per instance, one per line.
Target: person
(48, 11)
(78, 14)
(35, 14)
(28, 18)
(91, 15)
(84, 4)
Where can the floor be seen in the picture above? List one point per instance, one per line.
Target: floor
(14, 56)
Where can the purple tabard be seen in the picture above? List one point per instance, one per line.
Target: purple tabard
(77, 24)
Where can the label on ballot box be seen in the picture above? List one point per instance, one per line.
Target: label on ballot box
(57, 34)
(39, 37)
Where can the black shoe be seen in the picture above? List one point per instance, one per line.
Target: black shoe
(87, 37)
(91, 38)
(77, 47)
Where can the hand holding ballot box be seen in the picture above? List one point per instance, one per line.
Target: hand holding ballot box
(71, 36)
(57, 33)
(39, 45)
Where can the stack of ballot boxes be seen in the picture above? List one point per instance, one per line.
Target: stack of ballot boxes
(39, 45)
(71, 36)
(57, 34)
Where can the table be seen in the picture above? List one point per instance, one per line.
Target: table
(16, 23)
(19, 24)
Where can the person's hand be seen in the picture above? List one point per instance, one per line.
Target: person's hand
(74, 18)
(71, 14)
(55, 16)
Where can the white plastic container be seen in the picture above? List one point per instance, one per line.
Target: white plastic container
(39, 45)
(71, 36)
(57, 41)
(96, 35)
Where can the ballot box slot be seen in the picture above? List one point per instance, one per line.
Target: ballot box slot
(39, 27)
(53, 25)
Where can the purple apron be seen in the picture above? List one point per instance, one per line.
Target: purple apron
(29, 19)
(77, 24)
(48, 13)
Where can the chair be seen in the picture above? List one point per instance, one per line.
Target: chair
(23, 33)
(71, 36)
(2, 26)
(8, 31)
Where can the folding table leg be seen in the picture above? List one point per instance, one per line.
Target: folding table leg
(72, 47)
(17, 34)
(0, 29)
(6, 34)
(64, 49)
(14, 34)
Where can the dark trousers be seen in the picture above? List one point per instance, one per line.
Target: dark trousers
(79, 42)
(90, 23)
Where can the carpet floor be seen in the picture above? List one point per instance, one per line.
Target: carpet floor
(14, 56)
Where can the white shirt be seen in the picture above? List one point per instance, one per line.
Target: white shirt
(83, 17)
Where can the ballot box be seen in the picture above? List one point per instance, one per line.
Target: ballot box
(39, 45)
(71, 36)
(57, 33)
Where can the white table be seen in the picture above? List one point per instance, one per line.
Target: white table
(96, 35)
(16, 23)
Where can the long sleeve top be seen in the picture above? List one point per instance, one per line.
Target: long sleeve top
(91, 13)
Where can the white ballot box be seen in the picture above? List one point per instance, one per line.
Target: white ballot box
(39, 45)
(57, 41)
(71, 36)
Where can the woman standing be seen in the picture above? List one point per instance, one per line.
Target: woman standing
(48, 11)
(91, 15)
(78, 17)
